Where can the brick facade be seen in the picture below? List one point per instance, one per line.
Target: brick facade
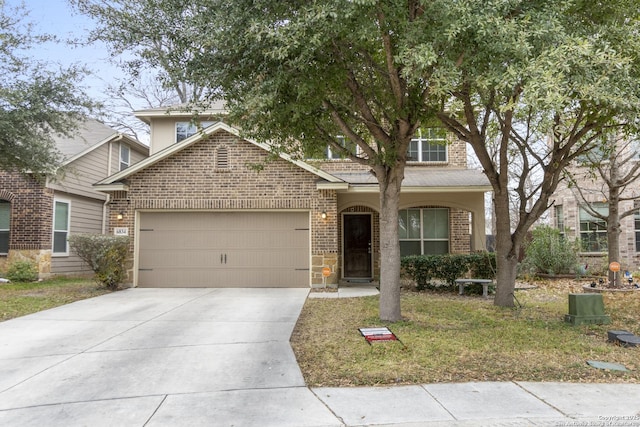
(223, 172)
(31, 220)
(598, 261)
(192, 180)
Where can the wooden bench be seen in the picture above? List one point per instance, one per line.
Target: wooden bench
(484, 282)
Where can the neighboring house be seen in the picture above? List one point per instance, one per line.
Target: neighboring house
(36, 217)
(574, 221)
(201, 216)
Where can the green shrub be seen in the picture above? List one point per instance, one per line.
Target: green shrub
(482, 265)
(448, 267)
(549, 253)
(22, 271)
(105, 255)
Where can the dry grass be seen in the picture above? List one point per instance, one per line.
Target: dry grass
(448, 338)
(25, 298)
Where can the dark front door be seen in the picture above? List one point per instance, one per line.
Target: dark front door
(357, 246)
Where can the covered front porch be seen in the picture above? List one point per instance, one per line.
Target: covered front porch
(447, 216)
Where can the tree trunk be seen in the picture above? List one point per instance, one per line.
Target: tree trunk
(613, 234)
(506, 253)
(390, 182)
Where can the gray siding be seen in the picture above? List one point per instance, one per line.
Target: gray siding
(135, 156)
(80, 175)
(86, 217)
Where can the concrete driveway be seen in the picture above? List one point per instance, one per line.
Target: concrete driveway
(159, 357)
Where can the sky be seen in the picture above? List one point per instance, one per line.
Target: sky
(58, 17)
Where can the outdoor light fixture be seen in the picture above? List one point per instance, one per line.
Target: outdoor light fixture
(120, 216)
(324, 214)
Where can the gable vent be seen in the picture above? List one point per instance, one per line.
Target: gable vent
(222, 158)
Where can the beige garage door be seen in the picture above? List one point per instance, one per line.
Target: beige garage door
(223, 249)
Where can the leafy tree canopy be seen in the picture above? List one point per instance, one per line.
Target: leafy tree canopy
(541, 80)
(36, 102)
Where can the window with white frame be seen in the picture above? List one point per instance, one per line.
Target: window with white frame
(429, 145)
(593, 230)
(334, 154)
(636, 217)
(5, 223)
(423, 231)
(125, 156)
(186, 129)
(61, 220)
(559, 215)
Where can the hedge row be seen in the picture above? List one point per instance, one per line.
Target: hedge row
(423, 268)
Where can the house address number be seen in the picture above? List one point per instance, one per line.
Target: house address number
(121, 231)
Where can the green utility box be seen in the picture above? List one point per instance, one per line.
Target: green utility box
(586, 309)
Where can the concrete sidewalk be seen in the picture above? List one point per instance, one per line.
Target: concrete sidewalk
(221, 357)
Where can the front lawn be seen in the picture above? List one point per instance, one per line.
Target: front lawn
(19, 299)
(448, 338)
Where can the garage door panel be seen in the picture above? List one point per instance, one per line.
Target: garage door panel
(224, 249)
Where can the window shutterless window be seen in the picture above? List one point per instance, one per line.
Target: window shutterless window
(559, 215)
(429, 145)
(61, 218)
(636, 217)
(423, 231)
(125, 156)
(593, 230)
(5, 219)
(185, 129)
(344, 142)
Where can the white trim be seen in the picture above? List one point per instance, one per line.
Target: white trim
(53, 227)
(120, 160)
(8, 230)
(375, 188)
(332, 186)
(196, 127)
(118, 186)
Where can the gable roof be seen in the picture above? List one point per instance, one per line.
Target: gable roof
(90, 135)
(113, 182)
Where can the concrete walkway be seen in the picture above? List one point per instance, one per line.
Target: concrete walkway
(221, 357)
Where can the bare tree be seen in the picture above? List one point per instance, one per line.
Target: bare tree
(607, 174)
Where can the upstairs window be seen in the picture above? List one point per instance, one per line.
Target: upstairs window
(185, 129)
(5, 218)
(334, 154)
(429, 145)
(593, 230)
(125, 156)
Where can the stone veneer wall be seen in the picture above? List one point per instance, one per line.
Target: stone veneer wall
(193, 180)
(31, 220)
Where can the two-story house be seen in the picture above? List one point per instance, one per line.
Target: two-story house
(37, 216)
(201, 214)
(576, 200)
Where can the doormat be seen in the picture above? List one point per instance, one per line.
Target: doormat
(378, 334)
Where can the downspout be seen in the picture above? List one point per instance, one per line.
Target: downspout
(105, 208)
